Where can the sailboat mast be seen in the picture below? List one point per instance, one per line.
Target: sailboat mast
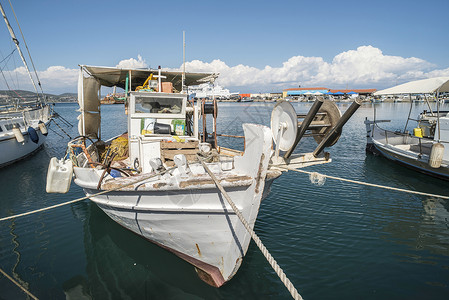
(16, 42)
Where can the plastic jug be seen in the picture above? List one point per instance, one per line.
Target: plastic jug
(59, 175)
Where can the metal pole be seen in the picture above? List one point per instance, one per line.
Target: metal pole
(305, 124)
(409, 112)
(330, 135)
(438, 115)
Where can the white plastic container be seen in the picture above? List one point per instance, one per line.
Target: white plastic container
(59, 176)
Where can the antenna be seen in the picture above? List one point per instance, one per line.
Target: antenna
(183, 61)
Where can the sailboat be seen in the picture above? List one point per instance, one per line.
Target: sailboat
(23, 126)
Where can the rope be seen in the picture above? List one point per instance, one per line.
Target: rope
(53, 120)
(315, 174)
(86, 197)
(256, 239)
(7, 56)
(16, 283)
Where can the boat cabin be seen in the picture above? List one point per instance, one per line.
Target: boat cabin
(156, 121)
(161, 122)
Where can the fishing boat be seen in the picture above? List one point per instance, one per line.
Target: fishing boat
(155, 179)
(23, 125)
(426, 149)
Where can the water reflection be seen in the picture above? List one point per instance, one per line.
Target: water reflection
(122, 265)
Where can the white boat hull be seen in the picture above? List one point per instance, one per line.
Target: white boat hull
(10, 148)
(197, 226)
(190, 216)
(397, 147)
(12, 151)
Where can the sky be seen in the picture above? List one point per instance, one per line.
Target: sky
(256, 46)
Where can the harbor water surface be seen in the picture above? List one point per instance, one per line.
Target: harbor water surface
(334, 241)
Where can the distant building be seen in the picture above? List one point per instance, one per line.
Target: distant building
(313, 90)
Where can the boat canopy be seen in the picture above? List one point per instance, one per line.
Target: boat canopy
(424, 86)
(110, 76)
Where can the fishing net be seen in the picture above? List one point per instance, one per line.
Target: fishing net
(118, 146)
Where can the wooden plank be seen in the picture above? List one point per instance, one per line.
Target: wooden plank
(178, 145)
(171, 154)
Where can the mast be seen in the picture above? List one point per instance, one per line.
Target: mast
(16, 42)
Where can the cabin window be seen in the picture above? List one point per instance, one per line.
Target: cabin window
(166, 105)
(10, 126)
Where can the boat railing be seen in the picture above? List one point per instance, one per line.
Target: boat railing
(419, 145)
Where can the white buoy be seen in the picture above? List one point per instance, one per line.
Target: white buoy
(436, 155)
(18, 134)
(43, 128)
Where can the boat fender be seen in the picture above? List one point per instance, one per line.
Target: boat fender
(33, 135)
(436, 155)
(18, 134)
(43, 128)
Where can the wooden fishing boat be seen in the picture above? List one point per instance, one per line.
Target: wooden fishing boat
(152, 178)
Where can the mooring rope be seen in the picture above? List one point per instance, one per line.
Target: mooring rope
(16, 283)
(316, 175)
(254, 236)
(87, 197)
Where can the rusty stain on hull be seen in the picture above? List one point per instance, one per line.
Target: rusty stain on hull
(159, 185)
(259, 173)
(198, 249)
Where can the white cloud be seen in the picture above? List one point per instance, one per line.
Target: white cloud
(133, 63)
(364, 67)
(56, 79)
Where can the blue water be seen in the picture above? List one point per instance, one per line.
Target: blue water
(335, 241)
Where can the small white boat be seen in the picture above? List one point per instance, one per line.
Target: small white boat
(155, 180)
(22, 133)
(23, 127)
(427, 149)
